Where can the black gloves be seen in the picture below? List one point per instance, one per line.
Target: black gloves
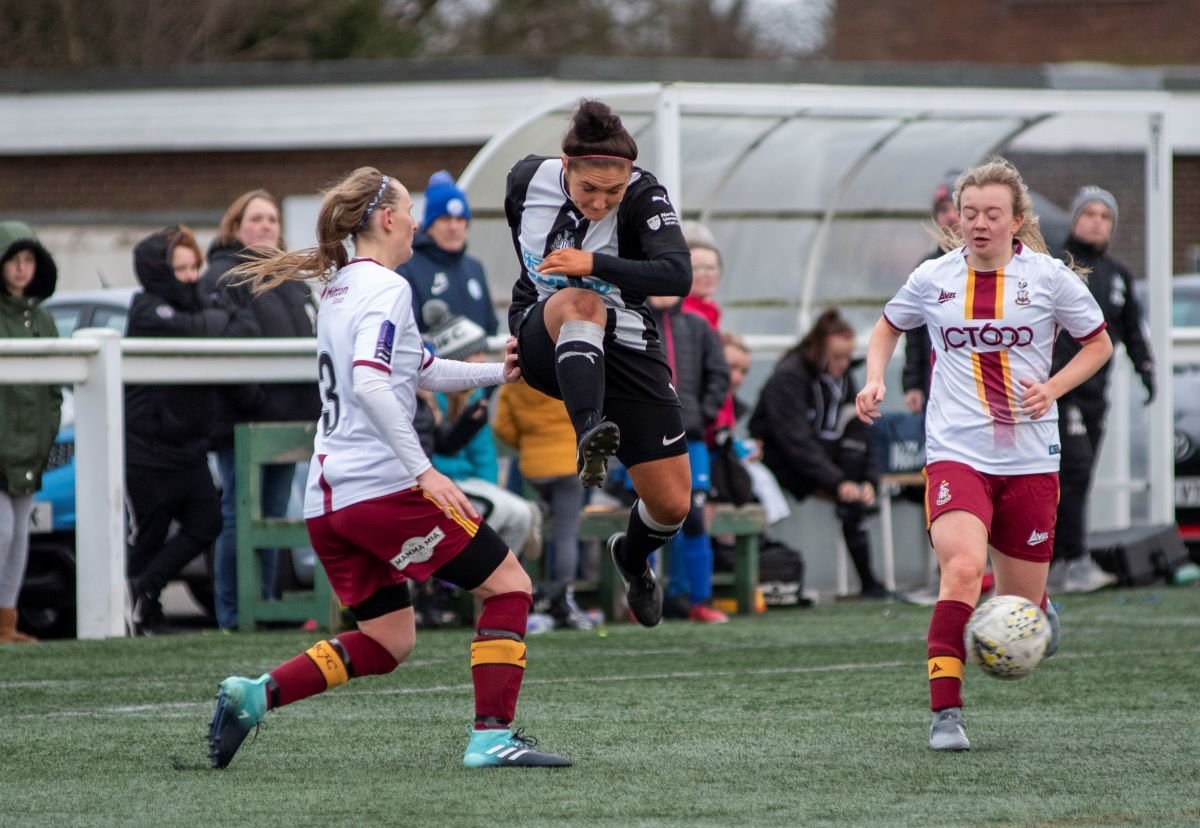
(452, 438)
(1147, 374)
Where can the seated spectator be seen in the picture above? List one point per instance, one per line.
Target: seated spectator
(166, 428)
(737, 473)
(475, 467)
(811, 439)
(701, 380)
(29, 414)
(706, 273)
(538, 427)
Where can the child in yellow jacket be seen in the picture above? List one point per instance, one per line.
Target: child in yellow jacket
(538, 427)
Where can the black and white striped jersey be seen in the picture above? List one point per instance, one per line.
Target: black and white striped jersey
(638, 249)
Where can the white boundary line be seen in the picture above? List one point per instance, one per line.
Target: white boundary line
(680, 675)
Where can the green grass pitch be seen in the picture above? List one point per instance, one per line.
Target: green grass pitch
(795, 717)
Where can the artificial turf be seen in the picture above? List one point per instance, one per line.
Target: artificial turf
(794, 717)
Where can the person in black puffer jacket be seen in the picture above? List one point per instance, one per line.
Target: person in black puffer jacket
(812, 441)
(252, 223)
(166, 427)
(1081, 411)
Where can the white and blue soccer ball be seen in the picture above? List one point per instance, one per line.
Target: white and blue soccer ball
(1007, 636)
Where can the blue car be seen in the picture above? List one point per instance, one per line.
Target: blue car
(47, 600)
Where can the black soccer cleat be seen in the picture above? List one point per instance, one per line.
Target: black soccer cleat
(642, 591)
(597, 444)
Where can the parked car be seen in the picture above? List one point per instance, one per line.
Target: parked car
(1185, 313)
(47, 600)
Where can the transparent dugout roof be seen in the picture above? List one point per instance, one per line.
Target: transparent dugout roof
(816, 195)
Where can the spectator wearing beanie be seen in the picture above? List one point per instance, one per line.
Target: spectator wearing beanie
(1081, 411)
(440, 267)
(475, 467)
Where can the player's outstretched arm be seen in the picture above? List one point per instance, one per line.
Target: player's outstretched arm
(452, 375)
(879, 352)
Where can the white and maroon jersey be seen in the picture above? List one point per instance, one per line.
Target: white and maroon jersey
(365, 318)
(988, 330)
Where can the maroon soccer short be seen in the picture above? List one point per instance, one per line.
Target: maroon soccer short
(396, 538)
(1019, 510)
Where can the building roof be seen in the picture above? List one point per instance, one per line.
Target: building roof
(460, 102)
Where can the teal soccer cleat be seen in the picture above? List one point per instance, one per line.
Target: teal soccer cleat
(506, 749)
(241, 705)
(1055, 629)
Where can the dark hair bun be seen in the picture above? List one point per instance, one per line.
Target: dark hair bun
(595, 123)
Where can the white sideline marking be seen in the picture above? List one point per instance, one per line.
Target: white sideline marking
(679, 675)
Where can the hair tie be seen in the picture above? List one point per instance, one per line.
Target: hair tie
(374, 202)
(620, 158)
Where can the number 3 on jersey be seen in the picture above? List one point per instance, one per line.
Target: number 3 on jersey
(331, 409)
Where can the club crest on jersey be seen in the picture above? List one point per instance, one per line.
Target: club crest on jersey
(383, 345)
(418, 550)
(1022, 297)
(562, 241)
(662, 220)
(943, 493)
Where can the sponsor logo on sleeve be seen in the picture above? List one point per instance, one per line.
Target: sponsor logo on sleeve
(667, 219)
(383, 345)
(418, 550)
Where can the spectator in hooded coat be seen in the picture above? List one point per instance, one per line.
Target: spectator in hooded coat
(29, 414)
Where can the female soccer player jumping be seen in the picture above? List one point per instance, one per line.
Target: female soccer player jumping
(596, 235)
(378, 513)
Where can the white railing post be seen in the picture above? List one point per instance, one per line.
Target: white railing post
(100, 491)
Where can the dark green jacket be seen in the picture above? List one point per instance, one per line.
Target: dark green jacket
(29, 414)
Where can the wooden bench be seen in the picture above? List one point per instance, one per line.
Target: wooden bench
(257, 445)
(745, 523)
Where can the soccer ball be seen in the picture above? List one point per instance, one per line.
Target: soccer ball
(1007, 636)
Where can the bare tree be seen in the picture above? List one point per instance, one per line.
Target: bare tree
(78, 34)
(74, 34)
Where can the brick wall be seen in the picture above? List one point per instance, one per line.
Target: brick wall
(1017, 31)
(195, 182)
(1059, 176)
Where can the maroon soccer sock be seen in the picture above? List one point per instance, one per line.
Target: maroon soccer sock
(946, 653)
(498, 658)
(326, 665)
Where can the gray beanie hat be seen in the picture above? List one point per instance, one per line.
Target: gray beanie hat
(1086, 196)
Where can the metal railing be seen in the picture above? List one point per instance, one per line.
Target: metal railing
(98, 362)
